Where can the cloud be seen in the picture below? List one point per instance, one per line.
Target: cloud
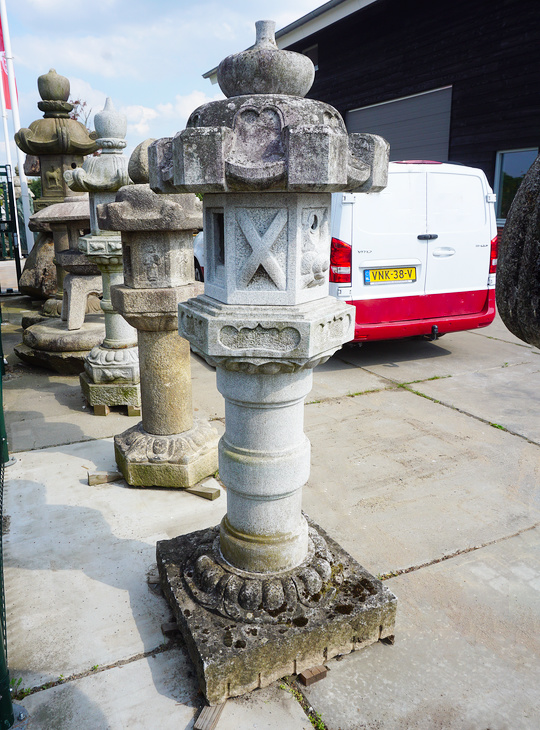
(184, 105)
(94, 98)
(139, 118)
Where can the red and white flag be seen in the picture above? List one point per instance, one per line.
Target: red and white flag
(3, 63)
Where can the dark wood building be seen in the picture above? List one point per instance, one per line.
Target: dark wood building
(453, 80)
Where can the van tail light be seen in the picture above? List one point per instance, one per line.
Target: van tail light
(340, 262)
(493, 255)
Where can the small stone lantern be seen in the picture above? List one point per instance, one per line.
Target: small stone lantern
(111, 376)
(169, 448)
(267, 593)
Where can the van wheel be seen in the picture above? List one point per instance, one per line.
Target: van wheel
(198, 272)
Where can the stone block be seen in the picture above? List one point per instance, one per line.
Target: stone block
(160, 166)
(110, 394)
(64, 363)
(371, 153)
(278, 247)
(261, 337)
(199, 159)
(137, 208)
(243, 631)
(178, 461)
(152, 309)
(54, 336)
(317, 158)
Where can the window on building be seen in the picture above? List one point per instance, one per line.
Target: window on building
(313, 53)
(509, 172)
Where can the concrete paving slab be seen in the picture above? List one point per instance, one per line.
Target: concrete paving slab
(154, 692)
(43, 409)
(466, 653)
(207, 400)
(336, 378)
(507, 395)
(77, 557)
(499, 331)
(400, 480)
(8, 275)
(265, 709)
(404, 361)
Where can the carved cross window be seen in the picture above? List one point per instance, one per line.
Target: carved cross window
(261, 249)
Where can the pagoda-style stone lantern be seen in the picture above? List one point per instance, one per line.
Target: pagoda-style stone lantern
(111, 376)
(267, 593)
(168, 449)
(60, 143)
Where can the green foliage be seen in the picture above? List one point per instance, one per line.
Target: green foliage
(314, 717)
(35, 186)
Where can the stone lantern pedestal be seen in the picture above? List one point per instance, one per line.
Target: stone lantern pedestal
(168, 448)
(268, 592)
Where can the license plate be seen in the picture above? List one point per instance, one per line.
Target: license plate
(390, 275)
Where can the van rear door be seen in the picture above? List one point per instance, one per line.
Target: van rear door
(458, 241)
(388, 258)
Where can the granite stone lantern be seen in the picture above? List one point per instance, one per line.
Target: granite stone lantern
(168, 448)
(267, 593)
(111, 369)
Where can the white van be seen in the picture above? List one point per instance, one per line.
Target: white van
(419, 257)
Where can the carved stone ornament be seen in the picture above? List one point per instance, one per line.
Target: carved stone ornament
(252, 338)
(266, 136)
(138, 446)
(270, 598)
(57, 133)
(108, 171)
(107, 366)
(102, 249)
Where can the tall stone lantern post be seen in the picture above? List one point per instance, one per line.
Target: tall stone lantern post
(268, 593)
(169, 448)
(111, 376)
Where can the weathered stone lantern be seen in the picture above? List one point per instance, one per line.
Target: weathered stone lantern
(60, 143)
(111, 376)
(168, 449)
(268, 593)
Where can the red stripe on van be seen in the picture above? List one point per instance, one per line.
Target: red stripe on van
(386, 319)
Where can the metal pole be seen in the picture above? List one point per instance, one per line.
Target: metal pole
(13, 211)
(7, 717)
(16, 122)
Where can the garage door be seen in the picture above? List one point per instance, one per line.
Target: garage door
(417, 127)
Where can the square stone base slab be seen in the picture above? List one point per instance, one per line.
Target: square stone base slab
(110, 394)
(233, 657)
(200, 458)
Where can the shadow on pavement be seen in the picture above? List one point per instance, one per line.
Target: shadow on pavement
(72, 538)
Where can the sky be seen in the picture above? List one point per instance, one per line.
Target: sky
(149, 57)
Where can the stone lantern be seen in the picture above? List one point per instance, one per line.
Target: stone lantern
(267, 593)
(60, 143)
(111, 376)
(168, 448)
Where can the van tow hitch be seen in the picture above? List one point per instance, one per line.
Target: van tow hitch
(434, 333)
